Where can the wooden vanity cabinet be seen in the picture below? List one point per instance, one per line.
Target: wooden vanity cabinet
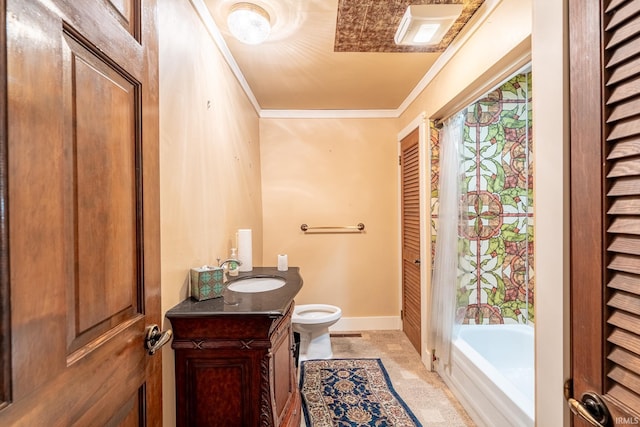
(235, 370)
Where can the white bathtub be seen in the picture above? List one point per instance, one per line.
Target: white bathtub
(492, 374)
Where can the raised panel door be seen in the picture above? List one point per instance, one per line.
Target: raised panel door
(80, 213)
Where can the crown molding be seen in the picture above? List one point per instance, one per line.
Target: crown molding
(328, 114)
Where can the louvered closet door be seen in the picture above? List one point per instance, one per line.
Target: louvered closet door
(410, 165)
(605, 220)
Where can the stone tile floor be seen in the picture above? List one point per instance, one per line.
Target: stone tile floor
(424, 392)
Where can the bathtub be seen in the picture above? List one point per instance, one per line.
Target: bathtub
(492, 374)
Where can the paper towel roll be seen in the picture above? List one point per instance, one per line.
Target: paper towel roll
(245, 251)
(283, 263)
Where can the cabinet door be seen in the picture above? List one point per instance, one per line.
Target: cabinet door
(215, 389)
(283, 370)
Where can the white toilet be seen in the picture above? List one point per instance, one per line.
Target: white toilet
(312, 322)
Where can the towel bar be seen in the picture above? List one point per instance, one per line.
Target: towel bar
(359, 227)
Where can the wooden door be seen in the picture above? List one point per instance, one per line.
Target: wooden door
(605, 205)
(410, 167)
(79, 213)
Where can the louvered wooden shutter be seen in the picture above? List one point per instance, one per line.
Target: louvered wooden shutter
(410, 161)
(622, 113)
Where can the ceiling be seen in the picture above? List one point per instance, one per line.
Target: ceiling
(333, 54)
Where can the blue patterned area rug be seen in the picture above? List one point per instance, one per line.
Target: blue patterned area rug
(351, 393)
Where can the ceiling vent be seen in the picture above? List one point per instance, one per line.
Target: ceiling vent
(426, 24)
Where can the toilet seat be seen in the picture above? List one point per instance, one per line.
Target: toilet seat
(308, 314)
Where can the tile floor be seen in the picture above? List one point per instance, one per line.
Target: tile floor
(424, 392)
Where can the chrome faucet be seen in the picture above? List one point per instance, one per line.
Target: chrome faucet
(224, 265)
(227, 261)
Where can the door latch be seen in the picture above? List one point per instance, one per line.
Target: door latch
(590, 407)
(155, 339)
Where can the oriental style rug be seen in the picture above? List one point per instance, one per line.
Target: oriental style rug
(351, 393)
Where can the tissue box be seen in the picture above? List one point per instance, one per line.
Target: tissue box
(206, 282)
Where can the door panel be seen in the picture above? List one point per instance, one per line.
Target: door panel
(411, 287)
(104, 148)
(605, 204)
(125, 12)
(81, 212)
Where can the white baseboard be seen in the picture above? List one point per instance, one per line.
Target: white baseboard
(367, 324)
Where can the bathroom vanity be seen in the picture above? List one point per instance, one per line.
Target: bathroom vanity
(234, 356)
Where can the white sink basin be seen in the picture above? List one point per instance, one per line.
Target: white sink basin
(257, 284)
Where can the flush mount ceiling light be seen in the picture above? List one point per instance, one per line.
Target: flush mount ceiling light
(426, 24)
(249, 23)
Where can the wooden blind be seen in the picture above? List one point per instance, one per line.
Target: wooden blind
(411, 238)
(622, 135)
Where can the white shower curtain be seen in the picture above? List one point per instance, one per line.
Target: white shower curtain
(445, 268)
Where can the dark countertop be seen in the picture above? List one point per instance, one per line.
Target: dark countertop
(272, 303)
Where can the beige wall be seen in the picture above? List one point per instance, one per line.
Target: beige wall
(326, 172)
(209, 161)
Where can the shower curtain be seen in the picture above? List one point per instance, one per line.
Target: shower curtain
(445, 266)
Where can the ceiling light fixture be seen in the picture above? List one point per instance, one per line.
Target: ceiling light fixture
(426, 24)
(249, 23)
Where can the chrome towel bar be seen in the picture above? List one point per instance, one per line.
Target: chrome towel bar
(352, 228)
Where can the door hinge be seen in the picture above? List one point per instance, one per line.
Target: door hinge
(400, 160)
(401, 314)
(568, 388)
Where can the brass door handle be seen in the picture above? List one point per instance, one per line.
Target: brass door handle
(155, 339)
(590, 407)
